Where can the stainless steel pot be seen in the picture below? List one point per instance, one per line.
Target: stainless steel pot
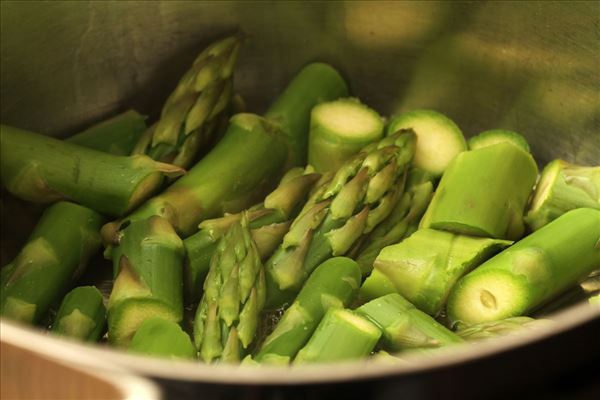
(528, 66)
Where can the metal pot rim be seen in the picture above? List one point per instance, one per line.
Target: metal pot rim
(70, 352)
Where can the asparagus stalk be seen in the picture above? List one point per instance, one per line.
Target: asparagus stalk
(188, 118)
(81, 315)
(563, 187)
(332, 284)
(162, 338)
(149, 263)
(116, 135)
(338, 130)
(487, 330)
(404, 326)
(483, 193)
(401, 223)
(376, 285)
(360, 195)
(531, 272)
(315, 83)
(268, 221)
(55, 255)
(424, 267)
(495, 136)
(234, 294)
(439, 138)
(42, 169)
(341, 335)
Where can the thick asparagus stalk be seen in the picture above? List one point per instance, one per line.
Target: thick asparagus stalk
(188, 118)
(43, 170)
(332, 284)
(361, 194)
(338, 130)
(563, 187)
(439, 138)
(495, 136)
(234, 294)
(149, 262)
(81, 315)
(228, 179)
(530, 272)
(487, 330)
(483, 193)
(404, 326)
(315, 83)
(268, 221)
(55, 255)
(401, 223)
(424, 267)
(162, 338)
(341, 335)
(116, 135)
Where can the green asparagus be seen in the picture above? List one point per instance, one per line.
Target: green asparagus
(530, 272)
(332, 284)
(359, 196)
(81, 315)
(495, 136)
(563, 187)
(492, 329)
(162, 338)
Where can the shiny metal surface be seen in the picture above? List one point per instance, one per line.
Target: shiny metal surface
(533, 67)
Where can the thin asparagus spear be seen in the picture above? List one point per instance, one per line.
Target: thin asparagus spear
(55, 255)
(492, 329)
(483, 193)
(404, 326)
(162, 338)
(234, 294)
(315, 83)
(360, 195)
(268, 221)
(81, 315)
(424, 267)
(149, 262)
(495, 136)
(116, 135)
(332, 284)
(188, 117)
(42, 169)
(338, 130)
(530, 272)
(341, 335)
(563, 187)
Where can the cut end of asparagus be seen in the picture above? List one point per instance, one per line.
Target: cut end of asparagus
(489, 296)
(439, 139)
(495, 136)
(348, 119)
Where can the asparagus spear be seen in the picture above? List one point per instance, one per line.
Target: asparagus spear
(338, 130)
(376, 285)
(487, 330)
(148, 262)
(42, 169)
(483, 193)
(341, 335)
(495, 136)
(530, 272)
(315, 83)
(404, 326)
(234, 295)
(188, 118)
(563, 187)
(81, 315)
(268, 221)
(424, 267)
(401, 223)
(116, 135)
(360, 195)
(162, 338)
(55, 255)
(439, 138)
(332, 284)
